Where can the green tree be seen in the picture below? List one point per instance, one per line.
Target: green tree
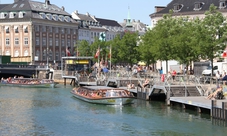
(213, 34)
(127, 48)
(83, 47)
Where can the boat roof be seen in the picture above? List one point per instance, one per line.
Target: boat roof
(97, 87)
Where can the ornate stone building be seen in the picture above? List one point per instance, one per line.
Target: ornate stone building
(36, 32)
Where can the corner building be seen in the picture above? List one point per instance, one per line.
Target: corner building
(36, 32)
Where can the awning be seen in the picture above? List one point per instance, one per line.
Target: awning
(141, 63)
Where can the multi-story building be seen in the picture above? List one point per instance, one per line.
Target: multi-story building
(36, 32)
(188, 8)
(89, 27)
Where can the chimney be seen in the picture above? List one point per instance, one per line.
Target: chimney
(47, 2)
(63, 8)
(159, 8)
(87, 14)
(76, 12)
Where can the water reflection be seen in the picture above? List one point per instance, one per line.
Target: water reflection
(56, 112)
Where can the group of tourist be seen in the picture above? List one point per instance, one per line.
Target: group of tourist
(22, 80)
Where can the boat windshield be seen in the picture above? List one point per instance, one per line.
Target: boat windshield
(115, 93)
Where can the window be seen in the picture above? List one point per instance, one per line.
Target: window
(50, 29)
(21, 14)
(63, 54)
(16, 29)
(56, 42)
(44, 54)
(37, 55)
(50, 41)
(44, 41)
(16, 53)
(57, 55)
(26, 41)
(16, 41)
(25, 29)
(42, 15)
(7, 29)
(198, 5)
(7, 42)
(36, 41)
(36, 28)
(62, 30)
(177, 7)
(26, 53)
(56, 30)
(43, 28)
(49, 16)
(3, 15)
(7, 52)
(11, 15)
(50, 55)
(62, 42)
(68, 42)
(222, 4)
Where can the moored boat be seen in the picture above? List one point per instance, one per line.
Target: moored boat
(29, 82)
(103, 95)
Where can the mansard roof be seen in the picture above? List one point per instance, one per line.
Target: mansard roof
(188, 7)
(107, 22)
(3, 5)
(34, 9)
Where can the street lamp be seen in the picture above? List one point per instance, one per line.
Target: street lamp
(47, 59)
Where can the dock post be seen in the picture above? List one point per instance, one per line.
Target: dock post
(168, 98)
(213, 108)
(224, 111)
(65, 81)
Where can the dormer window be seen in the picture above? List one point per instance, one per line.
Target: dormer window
(198, 5)
(61, 18)
(49, 16)
(177, 7)
(21, 14)
(222, 4)
(67, 19)
(42, 15)
(3, 15)
(12, 15)
(55, 17)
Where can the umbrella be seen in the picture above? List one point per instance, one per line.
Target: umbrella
(141, 63)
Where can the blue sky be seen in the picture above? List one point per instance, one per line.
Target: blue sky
(110, 9)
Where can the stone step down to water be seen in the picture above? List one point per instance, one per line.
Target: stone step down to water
(179, 91)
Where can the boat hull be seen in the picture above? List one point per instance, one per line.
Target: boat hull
(106, 101)
(44, 85)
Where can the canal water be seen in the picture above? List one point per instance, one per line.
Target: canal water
(54, 112)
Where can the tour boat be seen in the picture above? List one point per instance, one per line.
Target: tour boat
(103, 95)
(28, 82)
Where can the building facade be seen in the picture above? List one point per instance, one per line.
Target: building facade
(188, 8)
(36, 32)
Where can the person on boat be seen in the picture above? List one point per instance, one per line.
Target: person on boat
(215, 93)
(146, 83)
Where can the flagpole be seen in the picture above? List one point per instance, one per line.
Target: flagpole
(110, 57)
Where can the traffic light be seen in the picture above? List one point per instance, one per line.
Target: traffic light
(102, 36)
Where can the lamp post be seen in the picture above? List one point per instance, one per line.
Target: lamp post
(47, 59)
